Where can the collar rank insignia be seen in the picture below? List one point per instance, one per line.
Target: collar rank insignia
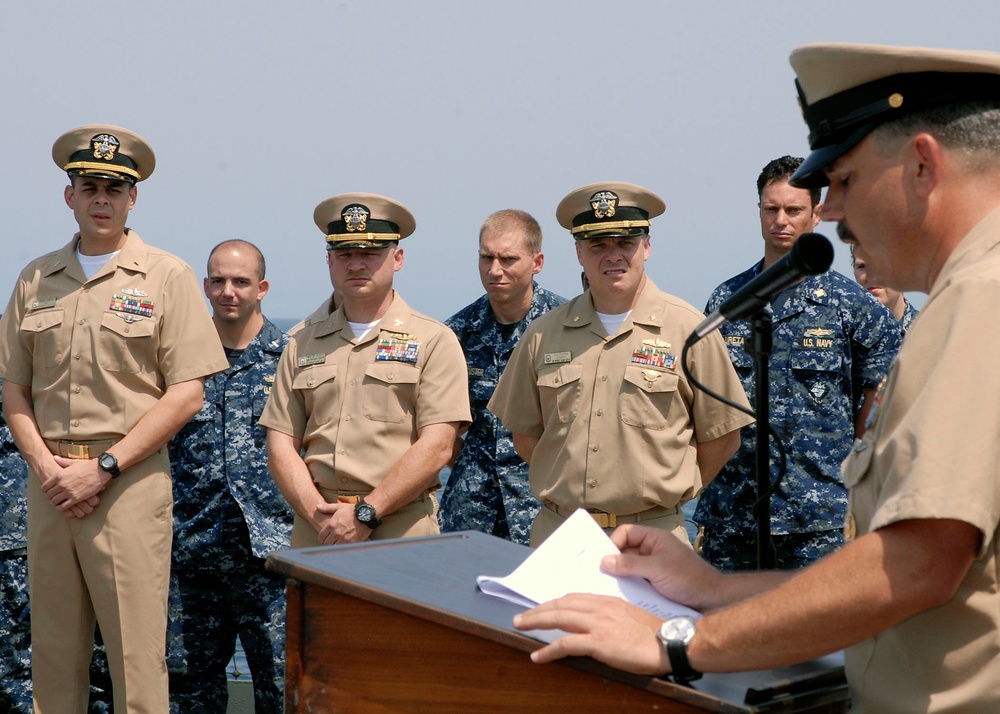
(406, 348)
(125, 303)
(819, 292)
(654, 356)
(355, 218)
(604, 203)
(105, 146)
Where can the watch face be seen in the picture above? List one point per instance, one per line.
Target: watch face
(677, 628)
(365, 513)
(107, 461)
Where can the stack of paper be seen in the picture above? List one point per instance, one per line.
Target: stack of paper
(570, 562)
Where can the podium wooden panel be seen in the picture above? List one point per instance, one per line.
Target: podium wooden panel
(400, 626)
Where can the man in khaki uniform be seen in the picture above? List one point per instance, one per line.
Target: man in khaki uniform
(105, 346)
(594, 393)
(908, 140)
(373, 393)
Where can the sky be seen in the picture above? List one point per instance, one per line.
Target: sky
(258, 110)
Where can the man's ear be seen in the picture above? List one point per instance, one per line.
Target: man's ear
(924, 161)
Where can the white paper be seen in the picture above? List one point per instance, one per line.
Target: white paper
(569, 561)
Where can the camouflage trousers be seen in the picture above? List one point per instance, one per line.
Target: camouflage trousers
(206, 612)
(15, 646)
(478, 504)
(738, 551)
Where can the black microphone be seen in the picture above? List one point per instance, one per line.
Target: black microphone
(811, 254)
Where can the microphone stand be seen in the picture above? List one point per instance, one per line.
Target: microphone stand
(761, 343)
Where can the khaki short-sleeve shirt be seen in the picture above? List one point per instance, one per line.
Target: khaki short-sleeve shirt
(99, 353)
(618, 422)
(357, 405)
(941, 403)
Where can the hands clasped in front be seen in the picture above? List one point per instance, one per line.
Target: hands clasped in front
(337, 524)
(74, 485)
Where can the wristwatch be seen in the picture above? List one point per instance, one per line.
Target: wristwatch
(109, 463)
(365, 513)
(675, 634)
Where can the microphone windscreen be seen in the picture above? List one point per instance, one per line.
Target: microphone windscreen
(811, 254)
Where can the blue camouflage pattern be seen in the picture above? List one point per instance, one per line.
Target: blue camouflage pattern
(909, 315)
(832, 341)
(488, 487)
(228, 516)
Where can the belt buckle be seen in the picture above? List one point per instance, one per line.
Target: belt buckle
(604, 520)
(349, 499)
(77, 451)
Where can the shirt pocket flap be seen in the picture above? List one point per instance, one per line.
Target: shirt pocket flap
(649, 380)
(314, 375)
(142, 327)
(392, 372)
(41, 321)
(856, 465)
(560, 376)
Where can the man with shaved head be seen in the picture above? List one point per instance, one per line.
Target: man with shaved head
(228, 513)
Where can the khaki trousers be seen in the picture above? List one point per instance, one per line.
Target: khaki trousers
(547, 521)
(418, 518)
(113, 564)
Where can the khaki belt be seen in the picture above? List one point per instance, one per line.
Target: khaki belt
(79, 449)
(613, 520)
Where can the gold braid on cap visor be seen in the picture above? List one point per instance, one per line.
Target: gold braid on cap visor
(103, 168)
(608, 225)
(339, 237)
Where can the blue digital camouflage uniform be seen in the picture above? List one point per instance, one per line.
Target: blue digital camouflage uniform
(228, 516)
(488, 488)
(909, 315)
(15, 625)
(832, 341)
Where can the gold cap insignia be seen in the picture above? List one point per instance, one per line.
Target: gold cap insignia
(355, 218)
(896, 100)
(105, 146)
(604, 203)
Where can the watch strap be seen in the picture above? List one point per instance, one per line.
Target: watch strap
(681, 668)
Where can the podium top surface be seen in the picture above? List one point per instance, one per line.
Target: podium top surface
(434, 577)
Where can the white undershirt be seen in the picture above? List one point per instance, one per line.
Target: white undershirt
(361, 329)
(612, 322)
(92, 263)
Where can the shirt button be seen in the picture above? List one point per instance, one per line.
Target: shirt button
(600, 412)
(77, 390)
(595, 447)
(343, 452)
(592, 484)
(354, 382)
(342, 479)
(347, 418)
(604, 378)
(80, 322)
(77, 356)
(76, 422)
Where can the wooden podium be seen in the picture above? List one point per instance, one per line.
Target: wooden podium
(400, 626)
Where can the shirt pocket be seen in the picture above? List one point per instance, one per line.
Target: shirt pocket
(559, 391)
(318, 386)
(390, 391)
(126, 347)
(42, 332)
(198, 440)
(646, 403)
(817, 374)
